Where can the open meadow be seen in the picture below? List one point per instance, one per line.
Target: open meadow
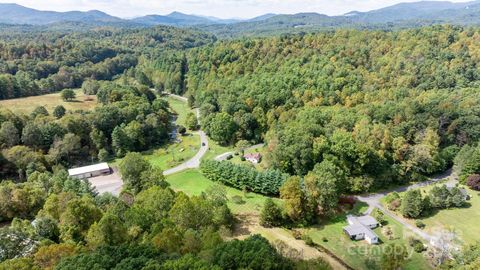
(192, 182)
(27, 104)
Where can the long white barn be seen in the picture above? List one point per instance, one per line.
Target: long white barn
(90, 171)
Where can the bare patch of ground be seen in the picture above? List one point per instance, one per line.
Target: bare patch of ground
(249, 224)
(111, 183)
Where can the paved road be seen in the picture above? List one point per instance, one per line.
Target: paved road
(224, 156)
(194, 162)
(373, 201)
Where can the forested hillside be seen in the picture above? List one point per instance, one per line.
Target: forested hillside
(34, 64)
(373, 107)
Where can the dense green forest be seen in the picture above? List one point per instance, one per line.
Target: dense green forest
(52, 221)
(341, 112)
(131, 118)
(380, 106)
(34, 64)
(148, 227)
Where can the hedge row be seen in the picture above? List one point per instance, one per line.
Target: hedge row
(239, 176)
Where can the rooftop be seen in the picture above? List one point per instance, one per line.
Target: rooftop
(87, 169)
(253, 155)
(361, 225)
(364, 220)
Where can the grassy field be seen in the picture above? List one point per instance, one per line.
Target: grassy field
(180, 108)
(464, 221)
(214, 149)
(28, 104)
(172, 154)
(192, 182)
(355, 253)
(263, 165)
(175, 153)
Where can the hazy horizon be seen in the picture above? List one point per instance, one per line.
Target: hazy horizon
(217, 8)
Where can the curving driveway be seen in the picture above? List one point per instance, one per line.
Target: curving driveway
(373, 201)
(194, 162)
(224, 156)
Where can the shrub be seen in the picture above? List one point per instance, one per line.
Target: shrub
(297, 235)
(420, 224)
(182, 130)
(412, 204)
(419, 247)
(59, 111)
(308, 240)
(237, 199)
(103, 155)
(416, 244)
(271, 214)
(379, 216)
(395, 204)
(473, 181)
(392, 197)
(68, 95)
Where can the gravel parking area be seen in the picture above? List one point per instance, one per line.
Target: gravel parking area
(111, 183)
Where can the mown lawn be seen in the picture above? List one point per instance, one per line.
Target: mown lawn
(215, 149)
(192, 182)
(356, 253)
(463, 221)
(28, 104)
(263, 165)
(180, 108)
(174, 153)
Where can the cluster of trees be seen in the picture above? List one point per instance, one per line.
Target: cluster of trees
(148, 227)
(414, 205)
(374, 103)
(130, 119)
(468, 258)
(243, 177)
(50, 61)
(317, 194)
(467, 163)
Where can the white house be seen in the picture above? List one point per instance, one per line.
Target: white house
(90, 171)
(361, 228)
(254, 158)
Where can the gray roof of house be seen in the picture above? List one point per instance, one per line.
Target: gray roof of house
(367, 220)
(364, 220)
(359, 225)
(354, 229)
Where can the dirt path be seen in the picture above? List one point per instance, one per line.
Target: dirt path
(249, 225)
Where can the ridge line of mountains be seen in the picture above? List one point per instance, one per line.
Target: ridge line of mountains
(400, 15)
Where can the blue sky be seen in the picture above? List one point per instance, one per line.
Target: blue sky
(218, 8)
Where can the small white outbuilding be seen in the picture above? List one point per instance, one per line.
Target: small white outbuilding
(90, 171)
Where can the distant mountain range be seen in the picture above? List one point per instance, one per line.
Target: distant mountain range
(16, 14)
(399, 15)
